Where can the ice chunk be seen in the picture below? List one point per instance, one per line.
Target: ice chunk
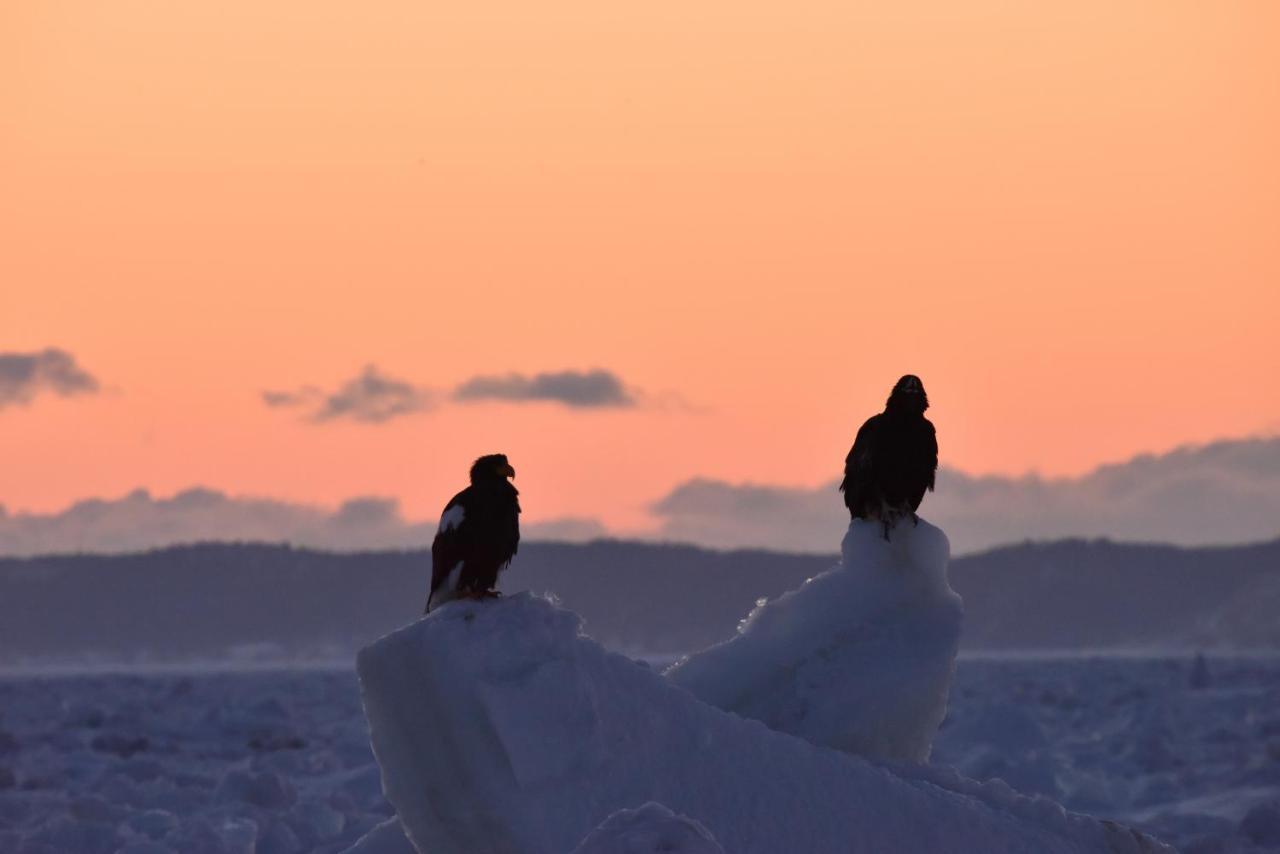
(386, 838)
(499, 727)
(276, 837)
(68, 834)
(140, 770)
(859, 658)
(650, 829)
(1011, 728)
(144, 846)
(1262, 824)
(120, 745)
(213, 834)
(313, 821)
(265, 789)
(363, 786)
(153, 824)
(91, 808)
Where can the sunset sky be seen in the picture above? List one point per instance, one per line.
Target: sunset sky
(1064, 216)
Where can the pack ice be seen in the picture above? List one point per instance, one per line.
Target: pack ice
(500, 728)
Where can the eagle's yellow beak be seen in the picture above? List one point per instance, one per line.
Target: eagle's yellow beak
(509, 471)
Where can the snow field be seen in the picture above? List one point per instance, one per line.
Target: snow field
(266, 763)
(502, 728)
(1214, 761)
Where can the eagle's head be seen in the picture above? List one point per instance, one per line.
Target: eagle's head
(491, 468)
(908, 396)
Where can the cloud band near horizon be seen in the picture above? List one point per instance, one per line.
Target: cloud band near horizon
(1224, 492)
(139, 521)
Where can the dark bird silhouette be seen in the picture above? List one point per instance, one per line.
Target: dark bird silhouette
(478, 535)
(894, 458)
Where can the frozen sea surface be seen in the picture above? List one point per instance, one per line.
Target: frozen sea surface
(257, 762)
(1184, 750)
(279, 761)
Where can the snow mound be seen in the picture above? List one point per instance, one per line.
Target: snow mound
(499, 727)
(650, 829)
(859, 658)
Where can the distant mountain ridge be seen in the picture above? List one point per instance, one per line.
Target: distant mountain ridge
(246, 601)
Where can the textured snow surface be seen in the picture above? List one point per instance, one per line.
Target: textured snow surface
(859, 658)
(267, 763)
(1127, 739)
(1183, 750)
(649, 829)
(500, 728)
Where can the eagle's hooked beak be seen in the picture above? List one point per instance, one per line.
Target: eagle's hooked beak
(509, 471)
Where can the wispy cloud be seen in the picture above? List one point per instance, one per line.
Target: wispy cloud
(302, 397)
(24, 375)
(1224, 492)
(371, 397)
(578, 389)
(374, 397)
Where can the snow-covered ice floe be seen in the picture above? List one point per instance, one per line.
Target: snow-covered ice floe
(501, 729)
(649, 829)
(859, 658)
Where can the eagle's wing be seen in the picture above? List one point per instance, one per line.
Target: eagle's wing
(924, 463)
(511, 527)
(933, 452)
(451, 545)
(859, 466)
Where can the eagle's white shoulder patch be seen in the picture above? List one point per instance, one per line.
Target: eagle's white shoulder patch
(452, 517)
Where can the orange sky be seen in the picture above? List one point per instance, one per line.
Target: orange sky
(1065, 216)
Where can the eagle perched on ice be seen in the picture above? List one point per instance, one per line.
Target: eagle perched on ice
(478, 535)
(894, 458)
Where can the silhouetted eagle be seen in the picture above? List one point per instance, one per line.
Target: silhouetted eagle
(478, 535)
(894, 458)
